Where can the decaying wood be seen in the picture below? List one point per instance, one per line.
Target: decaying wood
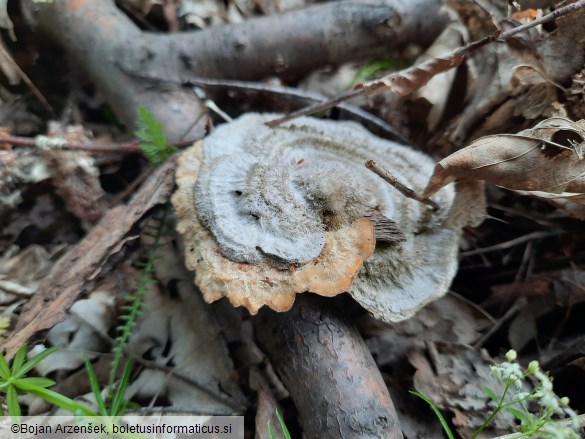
(329, 372)
(78, 271)
(114, 52)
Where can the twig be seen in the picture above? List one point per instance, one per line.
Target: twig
(325, 365)
(404, 190)
(297, 93)
(474, 305)
(451, 61)
(317, 107)
(8, 57)
(511, 243)
(133, 146)
(516, 307)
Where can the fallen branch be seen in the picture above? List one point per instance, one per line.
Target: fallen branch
(328, 371)
(107, 45)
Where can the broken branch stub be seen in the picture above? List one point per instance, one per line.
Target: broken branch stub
(266, 213)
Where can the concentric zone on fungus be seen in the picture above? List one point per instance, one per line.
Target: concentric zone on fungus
(259, 284)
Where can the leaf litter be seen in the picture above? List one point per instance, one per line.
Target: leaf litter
(543, 159)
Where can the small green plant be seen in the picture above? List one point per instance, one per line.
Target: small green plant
(152, 139)
(283, 428)
(368, 70)
(135, 301)
(549, 420)
(116, 404)
(4, 325)
(14, 381)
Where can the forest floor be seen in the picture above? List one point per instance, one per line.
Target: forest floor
(98, 99)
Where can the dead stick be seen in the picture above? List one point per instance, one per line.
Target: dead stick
(404, 190)
(328, 370)
(127, 147)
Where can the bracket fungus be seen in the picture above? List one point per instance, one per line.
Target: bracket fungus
(266, 213)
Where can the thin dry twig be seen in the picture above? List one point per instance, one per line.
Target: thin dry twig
(515, 308)
(124, 148)
(474, 305)
(413, 78)
(404, 190)
(298, 93)
(512, 243)
(7, 57)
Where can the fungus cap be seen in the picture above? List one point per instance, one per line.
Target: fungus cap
(266, 213)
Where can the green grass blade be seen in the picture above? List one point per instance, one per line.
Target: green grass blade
(34, 361)
(437, 412)
(12, 402)
(19, 358)
(95, 388)
(521, 416)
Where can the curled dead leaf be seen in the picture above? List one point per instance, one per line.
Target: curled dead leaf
(543, 160)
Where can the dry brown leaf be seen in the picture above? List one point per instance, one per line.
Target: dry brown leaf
(438, 88)
(77, 271)
(547, 159)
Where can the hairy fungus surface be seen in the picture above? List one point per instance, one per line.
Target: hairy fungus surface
(266, 213)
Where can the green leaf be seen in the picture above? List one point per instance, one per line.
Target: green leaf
(368, 70)
(19, 358)
(41, 382)
(34, 361)
(55, 398)
(523, 417)
(12, 402)
(152, 139)
(489, 392)
(95, 388)
(4, 369)
(437, 412)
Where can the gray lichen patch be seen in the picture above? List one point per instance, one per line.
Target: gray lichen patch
(267, 213)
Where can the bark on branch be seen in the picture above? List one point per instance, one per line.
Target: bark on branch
(328, 370)
(115, 53)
